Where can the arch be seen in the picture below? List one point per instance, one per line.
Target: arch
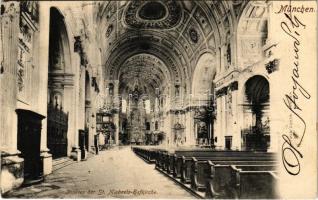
(203, 76)
(128, 50)
(202, 97)
(145, 71)
(255, 112)
(257, 90)
(59, 47)
(252, 33)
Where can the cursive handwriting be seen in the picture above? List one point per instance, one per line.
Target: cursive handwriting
(299, 9)
(290, 154)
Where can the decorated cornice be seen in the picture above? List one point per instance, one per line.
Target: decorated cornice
(224, 90)
(78, 48)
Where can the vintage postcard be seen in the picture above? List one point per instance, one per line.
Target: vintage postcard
(158, 99)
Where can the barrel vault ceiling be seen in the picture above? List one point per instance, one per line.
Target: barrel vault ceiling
(156, 43)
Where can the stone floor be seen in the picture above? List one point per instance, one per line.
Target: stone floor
(115, 173)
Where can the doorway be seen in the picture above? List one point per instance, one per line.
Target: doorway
(29, 144)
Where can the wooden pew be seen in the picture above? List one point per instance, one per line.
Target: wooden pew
(222, 174)
(177, 164)
(160, 158)
(225, 181)
(149, 155)
(253, 183)
(171, 162)
(183, 161)
(201, 170)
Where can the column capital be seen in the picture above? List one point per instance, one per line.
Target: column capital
(11, 8)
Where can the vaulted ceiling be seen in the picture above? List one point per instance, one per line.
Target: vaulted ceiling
(155, 42)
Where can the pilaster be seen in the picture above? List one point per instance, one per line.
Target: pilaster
(44, 22)
(11, 164)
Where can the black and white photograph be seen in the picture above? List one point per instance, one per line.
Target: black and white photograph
(158, 99)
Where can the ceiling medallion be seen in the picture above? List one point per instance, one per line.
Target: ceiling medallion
(194, 35)
(152, 11)
(153, 14)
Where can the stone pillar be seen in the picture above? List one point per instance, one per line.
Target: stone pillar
(44, 25)
(236, 140)
(189, 128)
(78, 108)
(218, 122)
(116, 106)
(69, 107)
(87, 122)
(11, 165)
(195, 132)
(92, 119)
(116, 122)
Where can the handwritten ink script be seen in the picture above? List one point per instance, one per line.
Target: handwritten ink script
(291, 155)
(299, 9)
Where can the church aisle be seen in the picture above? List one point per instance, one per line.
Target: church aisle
(116, 173)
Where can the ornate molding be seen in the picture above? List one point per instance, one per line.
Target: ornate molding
(142, 14)
(272, 66)
(194, 36)
(224, 90)
(57, 80)
(10, 9)
(78, 48)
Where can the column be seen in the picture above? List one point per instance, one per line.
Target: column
(188, 126)
(11, 165)
(92, 119)
(218, 122)
(88, 109)
(69, 107)
(78, 120)
(43, 82)
(236, 141)
(116, 106)
(116, 122)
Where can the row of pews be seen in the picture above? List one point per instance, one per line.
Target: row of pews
(217, 174)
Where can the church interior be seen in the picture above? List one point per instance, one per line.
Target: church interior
(79, 77)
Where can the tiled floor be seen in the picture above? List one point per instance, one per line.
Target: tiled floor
(116, 173)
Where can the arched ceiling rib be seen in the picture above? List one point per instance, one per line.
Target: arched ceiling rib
(143, 70)
(175, 32)
(129, 49)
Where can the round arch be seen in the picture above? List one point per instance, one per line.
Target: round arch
(60, 86)
(256, 131)
(59, 45)
(203, 76)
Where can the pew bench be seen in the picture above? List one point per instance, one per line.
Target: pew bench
(241, 181)
(254, 183)
(182, 165)
(149, 155)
